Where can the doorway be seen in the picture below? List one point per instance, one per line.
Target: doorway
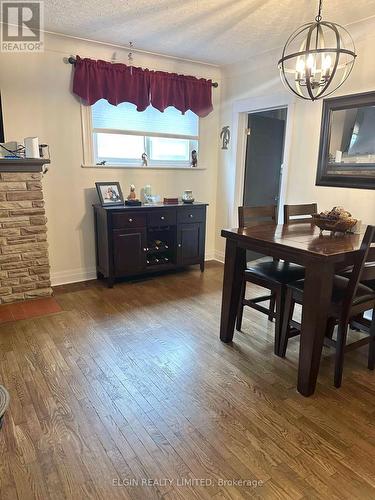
(264, 159)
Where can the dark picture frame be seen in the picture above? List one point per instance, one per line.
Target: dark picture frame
(2, 136)
(109, 193)
(351, 175)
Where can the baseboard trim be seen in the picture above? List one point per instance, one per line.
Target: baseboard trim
(77, 275)
(209, 255)
(72, 276)
(219, 256)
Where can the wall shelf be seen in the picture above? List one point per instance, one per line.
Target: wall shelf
(22, 164)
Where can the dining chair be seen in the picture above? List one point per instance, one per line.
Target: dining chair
(271, 274)
(299, 213)
(350, 298)
(360, 322)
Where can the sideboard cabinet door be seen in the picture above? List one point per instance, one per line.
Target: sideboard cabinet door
(129, 251)
(190, 244)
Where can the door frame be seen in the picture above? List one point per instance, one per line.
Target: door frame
(241, 110)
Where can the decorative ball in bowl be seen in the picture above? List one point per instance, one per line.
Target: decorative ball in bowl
(335, 220)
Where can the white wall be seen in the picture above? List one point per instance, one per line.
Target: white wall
(37, 101)
(259, 77)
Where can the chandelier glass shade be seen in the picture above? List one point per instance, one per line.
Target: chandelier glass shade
(317, 58)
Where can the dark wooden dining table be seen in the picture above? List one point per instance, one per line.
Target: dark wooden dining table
(321, 255)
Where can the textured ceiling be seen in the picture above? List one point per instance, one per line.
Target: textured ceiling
(219, 32)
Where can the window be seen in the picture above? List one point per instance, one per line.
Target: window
(120, 135)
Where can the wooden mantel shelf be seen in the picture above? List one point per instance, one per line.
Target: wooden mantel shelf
(22, 164)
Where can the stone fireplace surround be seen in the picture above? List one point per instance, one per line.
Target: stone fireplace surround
(24, 264)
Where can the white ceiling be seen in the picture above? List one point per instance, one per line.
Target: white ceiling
(219, 32)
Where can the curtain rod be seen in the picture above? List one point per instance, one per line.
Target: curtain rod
(72, 60)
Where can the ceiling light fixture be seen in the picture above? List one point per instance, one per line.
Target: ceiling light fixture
(317, 58)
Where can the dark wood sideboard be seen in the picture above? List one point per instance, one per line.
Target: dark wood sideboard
(133, 241)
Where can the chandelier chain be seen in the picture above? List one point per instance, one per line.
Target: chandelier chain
(319, 16)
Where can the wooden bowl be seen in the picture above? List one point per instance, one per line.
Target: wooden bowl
(333, 225)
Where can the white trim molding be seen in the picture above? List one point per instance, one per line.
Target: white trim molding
(86, 130)
(240, 111)
(72, 276)
(108, 166)
(219, 256)
(210, 255)
(82, 274)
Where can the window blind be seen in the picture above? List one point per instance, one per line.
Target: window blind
(126, 117)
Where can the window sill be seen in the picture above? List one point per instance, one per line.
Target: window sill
(140, 167)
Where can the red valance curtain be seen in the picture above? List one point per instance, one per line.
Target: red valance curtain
(94, 80)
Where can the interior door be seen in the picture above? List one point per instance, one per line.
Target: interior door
(264, 156)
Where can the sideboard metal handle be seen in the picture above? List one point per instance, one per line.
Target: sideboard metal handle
(179, 245)
(162, 217)
(191, 216)
(130, 220)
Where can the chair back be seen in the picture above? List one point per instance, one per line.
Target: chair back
(253, 215)
(363, 269)
(299, 213)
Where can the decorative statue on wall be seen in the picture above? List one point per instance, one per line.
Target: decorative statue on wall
(144, 159)
(194, 158)
(225, 137)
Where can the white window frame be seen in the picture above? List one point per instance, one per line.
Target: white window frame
(88, 144)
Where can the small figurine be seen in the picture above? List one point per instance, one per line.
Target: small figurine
(132, 199)
(194, 158)
(144, 160)
(132, 195)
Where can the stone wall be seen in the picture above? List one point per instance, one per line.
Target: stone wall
(24, 265)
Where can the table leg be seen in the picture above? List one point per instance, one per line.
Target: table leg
(316, 301)
(235, 262)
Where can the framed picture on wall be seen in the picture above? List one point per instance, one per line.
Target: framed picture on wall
(109, 193)
(347, 142)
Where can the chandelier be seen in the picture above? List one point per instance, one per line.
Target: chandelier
(317, 58)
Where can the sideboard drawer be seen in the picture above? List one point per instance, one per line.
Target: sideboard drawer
(186, 215)
(128, 219)
(163, 217)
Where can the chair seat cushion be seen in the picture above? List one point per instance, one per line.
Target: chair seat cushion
(340, 284)
(277, 271)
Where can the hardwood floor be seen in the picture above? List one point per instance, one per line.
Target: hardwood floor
(132, 384)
